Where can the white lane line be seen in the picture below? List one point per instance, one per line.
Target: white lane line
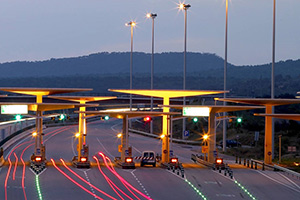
(136, 178)
(136, 149)
(278, 182)
(295, 184)
(72, 143)
(175, 174)
(113, 127)
(105, 148)
(88, 180)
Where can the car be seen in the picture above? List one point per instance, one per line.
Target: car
(231, 143)
(148, 158)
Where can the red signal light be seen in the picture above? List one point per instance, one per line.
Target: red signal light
(38, 159)
(219, 160)
(147, 119)
(128, 160)
(174, 160)
(83, 159)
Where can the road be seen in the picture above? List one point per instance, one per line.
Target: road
(107, 182)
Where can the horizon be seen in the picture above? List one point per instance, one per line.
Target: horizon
(58, 58)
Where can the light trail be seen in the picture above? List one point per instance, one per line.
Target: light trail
(122, 179)
(24, 167)
(6, 179)
(86, 181)
(110, 181)
(15, 168)
(72, 180)
(38, 188)
(119, 179)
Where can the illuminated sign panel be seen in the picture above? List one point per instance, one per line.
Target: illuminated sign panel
(196, 111)
(14, 109)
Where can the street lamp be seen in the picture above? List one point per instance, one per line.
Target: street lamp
(184, 7)
(225, 78)
(152, 15)
(132, 24)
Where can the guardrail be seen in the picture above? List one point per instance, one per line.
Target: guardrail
(288, 171)
(252, 163)
(171, 139)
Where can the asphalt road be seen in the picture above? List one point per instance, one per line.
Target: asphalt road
(106, 182)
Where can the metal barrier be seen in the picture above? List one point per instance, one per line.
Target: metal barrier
(288, 171)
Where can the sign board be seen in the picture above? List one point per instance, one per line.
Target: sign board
(14, 109)
(126, 152)
(196, 111)
(256, 136)
(186, 133)
(171, 153)
(269, 153)
(215, 154)
(38, 151)
(120, 148)
(292, 149)
(204, 149)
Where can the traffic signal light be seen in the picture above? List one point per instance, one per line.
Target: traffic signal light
(106, 117)
(38, 158)
(219, 161)
(62, 117)
(83, 159)
(239, 120)
(128, 160)
(147, 119)
(195, 119)
(174, 160)
(18, 117)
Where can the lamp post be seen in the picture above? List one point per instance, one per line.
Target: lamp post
(132, 24)
(152, 15)
(225, 79)
(272, 76)
(184, 7)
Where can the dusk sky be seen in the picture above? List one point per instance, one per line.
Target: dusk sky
(42, 29)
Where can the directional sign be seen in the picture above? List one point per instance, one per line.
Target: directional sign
(14, 109)
(195, 111)
(171, 153)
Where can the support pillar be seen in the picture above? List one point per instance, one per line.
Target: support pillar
(211, 137)
(124, 138)
(81, 131)
(165, 140)
(268, 154)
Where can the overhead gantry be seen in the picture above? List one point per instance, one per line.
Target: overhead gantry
(166, 95)
(82, 160)
(210, 111)
(268, 104)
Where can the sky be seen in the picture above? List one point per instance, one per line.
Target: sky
(33, 30)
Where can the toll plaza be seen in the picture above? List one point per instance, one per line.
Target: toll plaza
(39, 107)
(166, 95)
(82, 148)
(210, 112)
(124, 162)
(268, 104)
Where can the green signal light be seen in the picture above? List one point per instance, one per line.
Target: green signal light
(195, 119)
(239, 120)
(62, 117)
(106, 117)
(18, 117)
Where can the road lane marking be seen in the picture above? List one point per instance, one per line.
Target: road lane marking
(105, 148)
(278, 182)
(142, 186)
(88, 180)
(295, 184)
